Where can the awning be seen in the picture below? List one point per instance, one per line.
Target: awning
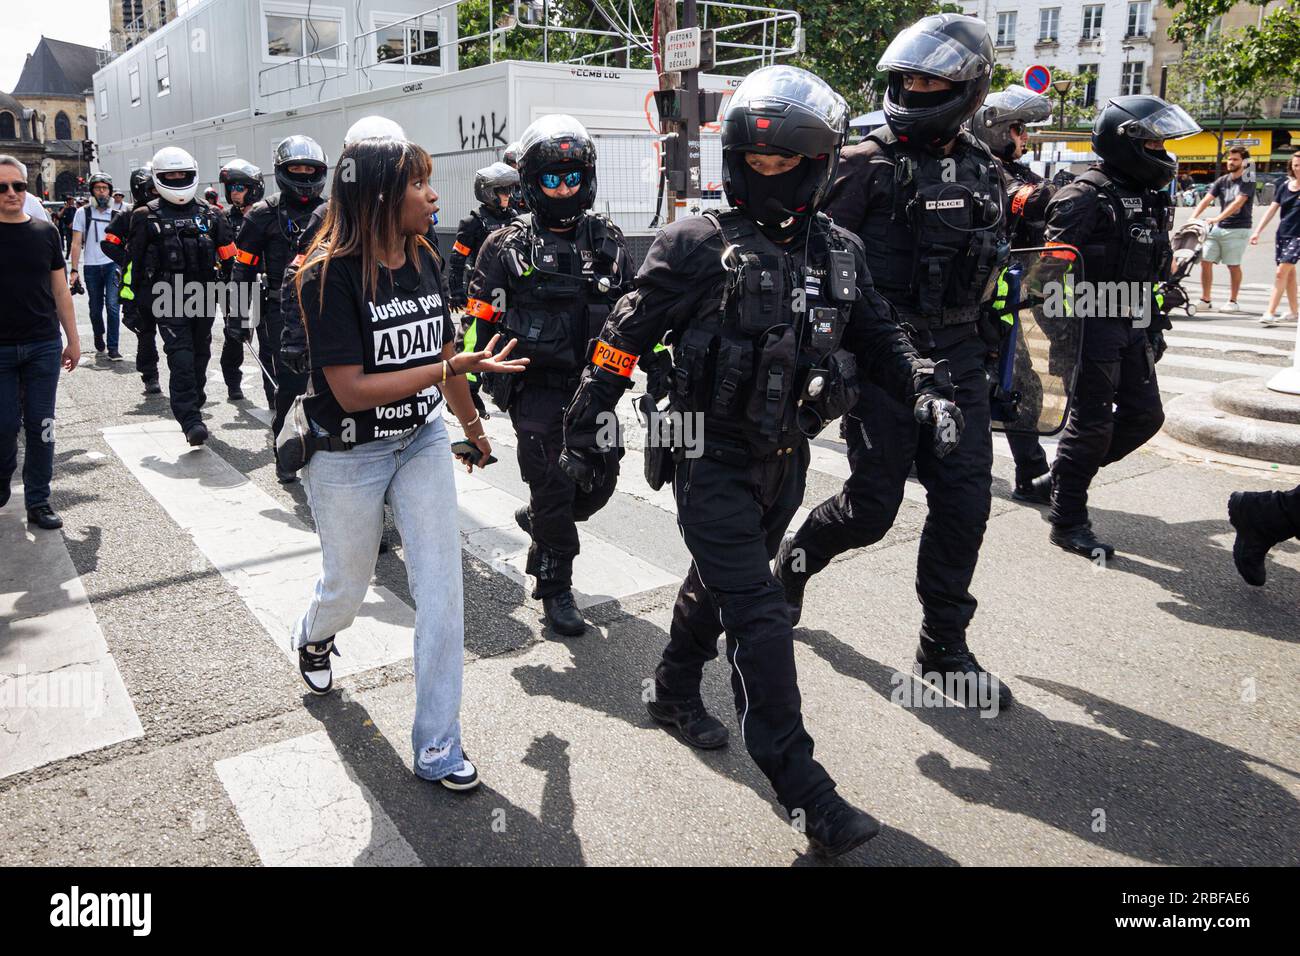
(1204, 146)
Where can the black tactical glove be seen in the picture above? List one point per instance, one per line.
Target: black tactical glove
(588, 469)
(295, 359)
(458, 303)
(1158, 346)
(235, 330)
(935, 406)
(590, 416)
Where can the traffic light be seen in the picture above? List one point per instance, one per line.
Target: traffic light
(87, 150)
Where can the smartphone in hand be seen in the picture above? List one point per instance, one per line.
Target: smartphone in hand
(468, 451)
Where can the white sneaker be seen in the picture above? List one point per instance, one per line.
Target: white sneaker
(1289, 319)
(466, 778)
(1231, 306)
(1204, 305)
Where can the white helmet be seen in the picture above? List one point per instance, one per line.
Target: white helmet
(374, 127)
(173, 159)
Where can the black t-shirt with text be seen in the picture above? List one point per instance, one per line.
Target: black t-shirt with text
(404, 324)
(29, 252)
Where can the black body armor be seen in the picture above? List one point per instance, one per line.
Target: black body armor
(934, 255)
(1135, 246)
(764, 362)
(182, 240)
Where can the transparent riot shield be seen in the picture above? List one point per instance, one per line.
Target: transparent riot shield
(1042, 341)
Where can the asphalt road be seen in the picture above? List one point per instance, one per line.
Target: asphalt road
(1156, 717)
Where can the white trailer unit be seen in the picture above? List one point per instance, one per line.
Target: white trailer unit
(217, 82)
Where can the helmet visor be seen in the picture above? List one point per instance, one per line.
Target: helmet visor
(933, 54)
(1016, 104)
(786, 84)
(1172, 122)
(498, 176)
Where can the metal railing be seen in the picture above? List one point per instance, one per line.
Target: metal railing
(296, 73)
(372, 69)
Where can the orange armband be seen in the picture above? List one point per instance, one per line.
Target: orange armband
(460, 247)
(1020, 198)
(1062, 250)
(481, 310)
(244, 258)
(613, 360)
(226, 251)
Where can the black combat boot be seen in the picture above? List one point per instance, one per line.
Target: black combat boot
(196, 434)
(1036, 491)
(834, 826)
(792, 581)
(1260, 523)
(151, 386)
(952, 670)
(1080, 539)
(562, 614)
(696, 725)
(522, 519)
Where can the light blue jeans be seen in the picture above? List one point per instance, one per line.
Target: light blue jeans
(346, 490)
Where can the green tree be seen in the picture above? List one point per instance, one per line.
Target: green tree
(1250, 55)
(1202, 86)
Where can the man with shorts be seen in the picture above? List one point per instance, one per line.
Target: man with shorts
(1229, 230)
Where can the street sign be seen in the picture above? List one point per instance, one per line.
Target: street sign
(1241, 142)
(1038, 78)
(682, 50)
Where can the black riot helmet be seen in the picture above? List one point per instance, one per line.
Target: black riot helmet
(992, 122)
(947, 46)
(490, 179)
(786, 111)
(300, 188)
(142, 189)
(511, 156)
(239, 172)
(557, 144)
(1122, 130)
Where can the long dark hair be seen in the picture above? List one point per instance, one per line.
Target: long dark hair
(364, 215)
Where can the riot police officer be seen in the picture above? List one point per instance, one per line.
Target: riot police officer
(176, 240)
(115, 247)
(927, 201)
(1117, 215)
(266, 243)
(549, 279)
(495, 187)
(771, 317)
(242, 182)
(1002, 124)
(511, 158)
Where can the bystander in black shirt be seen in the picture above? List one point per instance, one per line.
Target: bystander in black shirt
(29, 252)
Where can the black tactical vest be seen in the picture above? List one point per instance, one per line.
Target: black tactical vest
(1025, 230)
(282, 227)
(1133, 245)
(764, 357)
(560, 294)
(182, 239)
(933, 254)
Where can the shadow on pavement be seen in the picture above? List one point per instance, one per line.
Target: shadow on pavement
(444, 828)
(1168, 795)
(1199, 574)
(604, 678)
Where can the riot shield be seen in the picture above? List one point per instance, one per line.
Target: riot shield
(1042, 342)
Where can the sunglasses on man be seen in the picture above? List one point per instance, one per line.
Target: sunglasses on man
(1018, 129)
(19, 187)
(572, 179)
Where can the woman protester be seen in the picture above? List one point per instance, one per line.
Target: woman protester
(1287, 253)
(383, 362)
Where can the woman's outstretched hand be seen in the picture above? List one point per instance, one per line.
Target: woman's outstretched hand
(485, 361)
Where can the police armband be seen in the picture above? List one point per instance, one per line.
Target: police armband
(479, 309)
(610, 359)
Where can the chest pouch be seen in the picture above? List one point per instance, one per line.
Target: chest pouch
(942, 217)
(771, 400)
(762, 288)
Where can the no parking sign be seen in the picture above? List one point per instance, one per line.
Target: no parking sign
(1038, 78)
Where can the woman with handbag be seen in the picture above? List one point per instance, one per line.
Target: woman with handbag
(383, 362)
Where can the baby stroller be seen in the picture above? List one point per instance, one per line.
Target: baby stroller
(1187, 243)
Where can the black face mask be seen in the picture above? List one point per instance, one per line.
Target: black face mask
(773, 199)
(557, 212)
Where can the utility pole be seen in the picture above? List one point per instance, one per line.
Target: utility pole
(681, 103)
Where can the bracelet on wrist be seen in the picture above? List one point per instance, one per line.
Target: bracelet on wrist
(473, 421)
